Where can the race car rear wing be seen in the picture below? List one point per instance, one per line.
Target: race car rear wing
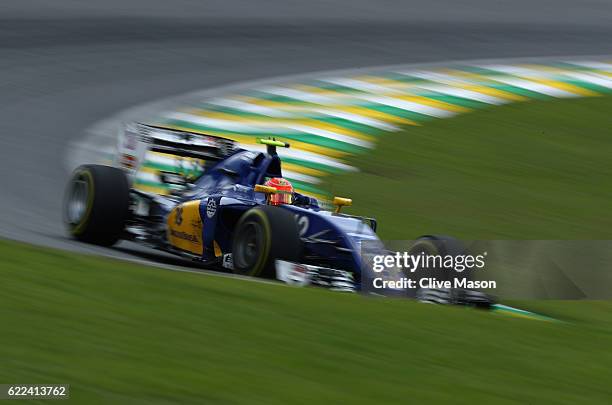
(137, 139)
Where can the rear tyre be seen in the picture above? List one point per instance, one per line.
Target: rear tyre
(96, 204)
(264, 234)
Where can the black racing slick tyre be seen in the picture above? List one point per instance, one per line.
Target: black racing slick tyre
(432, 245)
(96, 204)
(262, 235)
(442, 245)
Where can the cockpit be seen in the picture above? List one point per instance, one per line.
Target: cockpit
(245, 168)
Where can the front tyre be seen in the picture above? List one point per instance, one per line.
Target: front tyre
(262, 235)
(439, 247)
(96, 204)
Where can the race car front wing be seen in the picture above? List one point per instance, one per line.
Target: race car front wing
(303, 274)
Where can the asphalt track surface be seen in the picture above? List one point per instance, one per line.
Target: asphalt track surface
(65, 65)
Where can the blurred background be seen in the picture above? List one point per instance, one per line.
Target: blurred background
(67, 64)
(124, 333)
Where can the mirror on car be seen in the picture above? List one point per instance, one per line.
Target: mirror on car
(260, 188)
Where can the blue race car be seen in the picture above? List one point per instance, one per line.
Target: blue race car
(235, 211)
(231, 209)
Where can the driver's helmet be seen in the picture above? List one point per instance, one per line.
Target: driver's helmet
(284, 194)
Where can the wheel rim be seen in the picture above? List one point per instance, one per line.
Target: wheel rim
(248, 246)
(77, 201)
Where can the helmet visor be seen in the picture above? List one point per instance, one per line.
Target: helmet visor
(281, 197)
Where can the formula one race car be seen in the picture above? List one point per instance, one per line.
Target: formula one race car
(231, 209)
(221, 214)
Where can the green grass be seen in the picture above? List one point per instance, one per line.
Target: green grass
(123, 333)
(534, 170)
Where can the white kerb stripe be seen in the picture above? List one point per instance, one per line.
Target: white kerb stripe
(265, 127)
(535, 87)
(298, 95)
(591, 78)
(593, 65)
(468, 94)
(248, 107)
(357, 118)
(300, 177)
(517, 70)
(409, 106)
(227, 125)
(330, 135)
(361, 85)
(435, 77)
